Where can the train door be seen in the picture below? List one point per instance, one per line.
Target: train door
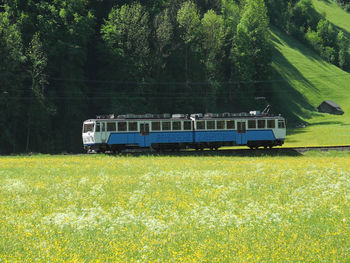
(145, 132)
(103, 132)
(97, 133)
(241, 132)
(193, 127)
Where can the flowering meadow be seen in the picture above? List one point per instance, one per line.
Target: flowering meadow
(175, 208)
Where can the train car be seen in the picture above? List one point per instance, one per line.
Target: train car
(179, 131)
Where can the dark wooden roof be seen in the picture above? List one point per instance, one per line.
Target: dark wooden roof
(331, 103)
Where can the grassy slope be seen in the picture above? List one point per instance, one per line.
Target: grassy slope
(308, 80)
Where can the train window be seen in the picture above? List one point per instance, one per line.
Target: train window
(211, 125)
(261, 124)
(132, 126)
(88, 127)
(122, 126)
(200, 125)
(281, 124)
(251, 124)
(103, 127)
(155, 126)
(220, 125)
(187, 125)
(176, 125)
(271, 124)
(97, 127)
(111, 126)
(166, 125)
(230, 124)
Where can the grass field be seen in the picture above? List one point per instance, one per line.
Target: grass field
(175, 209)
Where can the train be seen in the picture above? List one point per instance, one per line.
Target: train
(183, 131)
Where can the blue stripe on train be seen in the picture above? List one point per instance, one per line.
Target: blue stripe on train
(190, 137)
(153, 137)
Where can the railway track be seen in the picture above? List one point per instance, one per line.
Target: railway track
(286, 151)
(319, 148)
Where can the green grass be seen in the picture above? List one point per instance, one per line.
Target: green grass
(175, 209)
(307, 81)
(335, 14)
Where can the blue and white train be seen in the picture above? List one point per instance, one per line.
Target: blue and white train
(179, 131)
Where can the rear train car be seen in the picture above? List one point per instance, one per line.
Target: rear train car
(179, 131)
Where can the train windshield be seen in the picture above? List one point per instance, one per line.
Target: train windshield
(88, 127)
(281, 124)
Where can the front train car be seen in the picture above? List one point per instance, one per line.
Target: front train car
(88, 136)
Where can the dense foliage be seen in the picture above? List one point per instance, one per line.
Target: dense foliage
(66, 61)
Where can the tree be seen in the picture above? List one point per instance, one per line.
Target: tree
(188, 19)
(213, 37)
(12, 84)
(38, 63)
(252, 49)
(38, 107)
(66, 28)
(277, 12)
(126, 33)
(327, 33)
(304, 15)
(189, 22)
(231, 15)
(164, 32)
(343, 45)
(213, 40)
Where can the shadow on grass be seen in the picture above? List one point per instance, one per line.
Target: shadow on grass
(275, 39)
(295, 131)
(329, 123)
(288, 101)
(224, 153)
(296, 44)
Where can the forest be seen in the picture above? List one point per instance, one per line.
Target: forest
(62, 62)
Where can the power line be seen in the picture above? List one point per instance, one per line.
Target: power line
(151, 95)
(112, 93)
(114, 90)
(128, 82)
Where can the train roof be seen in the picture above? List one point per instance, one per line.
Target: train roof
(167, 116)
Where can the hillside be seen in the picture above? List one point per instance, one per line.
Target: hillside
(308, 80)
